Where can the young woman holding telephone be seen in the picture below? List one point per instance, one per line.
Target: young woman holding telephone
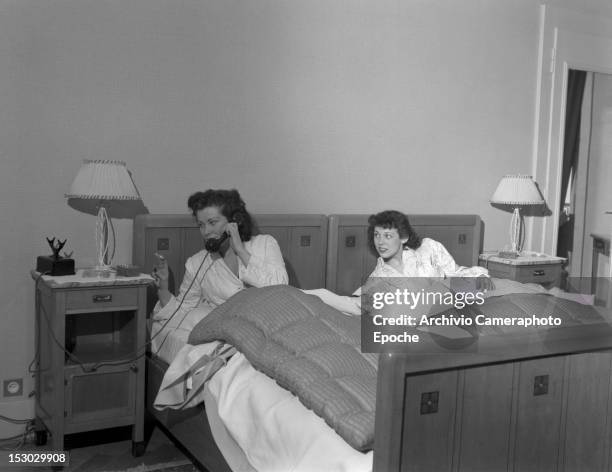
(232, 259)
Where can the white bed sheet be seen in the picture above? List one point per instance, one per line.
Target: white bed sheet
(273, 429)
(233, 454)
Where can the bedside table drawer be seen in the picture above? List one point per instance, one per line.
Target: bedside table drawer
(538, 274)
(501, 271)
(100, 299)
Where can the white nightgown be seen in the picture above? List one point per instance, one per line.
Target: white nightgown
(216, 283)
(430, 259)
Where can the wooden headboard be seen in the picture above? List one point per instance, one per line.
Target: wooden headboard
(319, 251)
(350, 260)
(302, 239)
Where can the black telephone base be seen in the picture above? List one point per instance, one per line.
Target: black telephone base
(49, 265)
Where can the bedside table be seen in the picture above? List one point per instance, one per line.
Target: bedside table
(529, 267)
(90, 340)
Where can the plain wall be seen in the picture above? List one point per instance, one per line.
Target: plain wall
(315, 106)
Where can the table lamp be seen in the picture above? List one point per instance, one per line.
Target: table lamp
(516, 191)
(106, 189)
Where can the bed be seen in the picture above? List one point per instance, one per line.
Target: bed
(303, 242)
(541, 404)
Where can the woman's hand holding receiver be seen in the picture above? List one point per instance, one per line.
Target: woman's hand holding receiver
(236, 243)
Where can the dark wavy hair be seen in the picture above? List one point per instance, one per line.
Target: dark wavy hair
(393, 219)
(230, 205)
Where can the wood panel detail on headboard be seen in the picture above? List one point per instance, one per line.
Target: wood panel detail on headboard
(350, 260)
(303, 242)
(302, 239)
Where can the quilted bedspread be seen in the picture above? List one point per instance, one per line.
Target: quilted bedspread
(308, 347)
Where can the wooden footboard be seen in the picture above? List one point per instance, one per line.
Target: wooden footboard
(188, 428)
(539, 406)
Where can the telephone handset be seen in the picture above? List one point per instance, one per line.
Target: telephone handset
(213, 245)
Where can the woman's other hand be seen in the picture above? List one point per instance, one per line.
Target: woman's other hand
(160, 273)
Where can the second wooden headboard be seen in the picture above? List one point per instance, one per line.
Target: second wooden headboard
(350, 260)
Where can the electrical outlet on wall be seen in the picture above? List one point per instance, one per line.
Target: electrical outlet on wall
(12, 388)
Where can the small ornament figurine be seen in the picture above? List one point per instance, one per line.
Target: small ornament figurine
(55, 264)
(56, 248)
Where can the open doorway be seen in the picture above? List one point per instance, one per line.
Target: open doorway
(574, 174)
(587, 168)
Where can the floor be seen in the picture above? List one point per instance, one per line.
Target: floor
(111, 451)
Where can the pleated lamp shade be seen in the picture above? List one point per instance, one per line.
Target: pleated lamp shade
(517, 190)
(97, 185)
(103, 180)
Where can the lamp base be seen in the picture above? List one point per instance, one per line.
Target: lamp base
(55, 266)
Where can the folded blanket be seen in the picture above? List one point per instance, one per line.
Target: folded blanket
(308, 347)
